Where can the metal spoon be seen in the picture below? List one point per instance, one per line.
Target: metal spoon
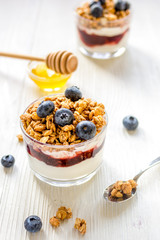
(106, 191)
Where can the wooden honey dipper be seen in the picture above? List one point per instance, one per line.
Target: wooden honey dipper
(63, 62)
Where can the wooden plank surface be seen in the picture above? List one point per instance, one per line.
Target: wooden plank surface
(127, 85)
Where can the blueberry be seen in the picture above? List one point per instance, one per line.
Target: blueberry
(63, 116)
(122, 6)
(85, 130)
(7, 161)
(130, 123)
(96, 10)
(102, 2)
(45, 108)
(33, 224)
(92, 3)
(73, 93)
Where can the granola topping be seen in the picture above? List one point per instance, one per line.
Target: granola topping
(46, 131)
(122, 190)
(80, 224)
(108, 18)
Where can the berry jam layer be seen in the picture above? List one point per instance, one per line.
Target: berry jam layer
(92, 40)
(64, 162)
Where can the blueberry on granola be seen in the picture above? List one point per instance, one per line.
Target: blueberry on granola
(122, 6)
(130, 123)
(63, 116)
(86, 130)
(73, 93)
(92, 3)
(102, 2)
(33, 224)
(45, 108)
(96, 10)
(7, 161)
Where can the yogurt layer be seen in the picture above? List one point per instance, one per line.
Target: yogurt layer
(76, 171)
(106, 31)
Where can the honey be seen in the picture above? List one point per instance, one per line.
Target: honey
(45, 78)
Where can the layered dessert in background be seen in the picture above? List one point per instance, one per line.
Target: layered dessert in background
(103, 27)
(64, 136)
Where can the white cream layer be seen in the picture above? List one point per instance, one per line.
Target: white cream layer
(79, 170)
(106, 31)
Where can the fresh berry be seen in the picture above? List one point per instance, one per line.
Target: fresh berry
(33, 224)
(96, 10)
(73, 93)
(45, 108)
(92, 3)
(85, 130)
(7, 161)
(130, 123)
(102, 2)
(122, 6)
(63, 116)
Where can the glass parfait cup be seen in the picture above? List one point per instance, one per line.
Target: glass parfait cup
(101, 38)
(65, 165)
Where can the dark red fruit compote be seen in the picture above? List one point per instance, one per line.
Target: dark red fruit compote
(64, 137)
(103, 28)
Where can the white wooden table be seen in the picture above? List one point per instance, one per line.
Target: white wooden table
(127, 85)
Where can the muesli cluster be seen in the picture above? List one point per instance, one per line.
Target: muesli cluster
(80, 225)
(63, 119)
(62, 213)
(20, 137)
(122, 190)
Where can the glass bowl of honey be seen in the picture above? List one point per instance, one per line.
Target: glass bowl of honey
(45, 78)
